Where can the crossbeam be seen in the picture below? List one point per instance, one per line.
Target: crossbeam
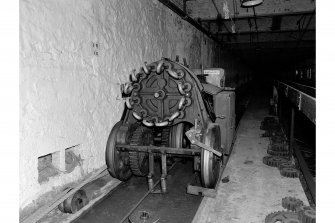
(159, 149)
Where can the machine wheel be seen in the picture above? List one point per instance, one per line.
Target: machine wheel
(139, 160)
(178, 138)
(210, 163)
(74, 203)
(116, 161)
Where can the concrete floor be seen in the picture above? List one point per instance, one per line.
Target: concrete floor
(254, 190)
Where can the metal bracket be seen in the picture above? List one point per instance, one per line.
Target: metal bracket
(286, 91)
(191, 135)
(299, 102)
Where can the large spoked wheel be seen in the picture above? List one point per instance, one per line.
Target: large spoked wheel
(210, 163)
(178, 138)
(118, 162)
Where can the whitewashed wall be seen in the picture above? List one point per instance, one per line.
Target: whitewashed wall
(68, 95)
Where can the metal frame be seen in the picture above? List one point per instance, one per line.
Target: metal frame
(306, 104)
(301, 100)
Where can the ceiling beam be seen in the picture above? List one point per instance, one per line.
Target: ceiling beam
(266, 15)
(205, 10)
(264, 24)
(265, 31)
(269, 36)
(269, 45)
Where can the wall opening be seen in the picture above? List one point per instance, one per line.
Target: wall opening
(63, 161)
(46, 169)
(72, 159)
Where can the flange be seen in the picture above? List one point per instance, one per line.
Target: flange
(144, 216)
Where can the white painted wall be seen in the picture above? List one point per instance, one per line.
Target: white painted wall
(68, 95)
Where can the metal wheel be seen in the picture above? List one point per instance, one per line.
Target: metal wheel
(178, 138)
(116, 161)
(210, 163)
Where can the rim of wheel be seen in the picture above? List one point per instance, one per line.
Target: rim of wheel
(117, 162)
(210, 163)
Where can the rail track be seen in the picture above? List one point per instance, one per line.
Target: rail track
(132, 198)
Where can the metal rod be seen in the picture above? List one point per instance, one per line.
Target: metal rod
(216, 7)
(292, 132)
(253, 8)
(157, 149)
(151, 171)
(304, 31)
(164, 173)
(142, 198)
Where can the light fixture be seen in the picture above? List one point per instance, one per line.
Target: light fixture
(251, 3)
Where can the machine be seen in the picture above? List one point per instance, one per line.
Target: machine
(171, 112)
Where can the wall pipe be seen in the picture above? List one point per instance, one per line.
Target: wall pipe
(185, 17)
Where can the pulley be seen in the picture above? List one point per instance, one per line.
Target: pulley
(74, 203)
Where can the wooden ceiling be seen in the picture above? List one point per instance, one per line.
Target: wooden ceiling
(276, 30)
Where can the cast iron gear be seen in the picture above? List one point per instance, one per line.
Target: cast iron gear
(165, 136)
(274, 161)
(278, 139)
(267, 134)
(277, 153)
(307, 216)
(292, 203)
(279, 147)
(285, 165)
(289, 172)
(282, 217)
(138, 160)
